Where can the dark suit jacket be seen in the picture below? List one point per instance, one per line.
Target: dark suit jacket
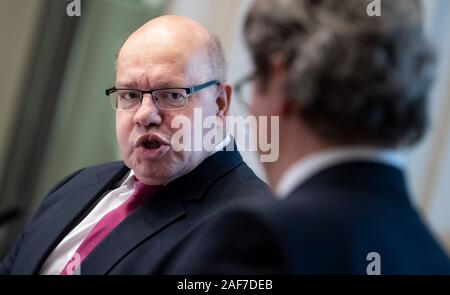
(141, 241)
(328, 225)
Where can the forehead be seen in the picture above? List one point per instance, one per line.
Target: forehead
(163, 62)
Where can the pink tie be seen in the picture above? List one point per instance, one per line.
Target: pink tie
(108, 222)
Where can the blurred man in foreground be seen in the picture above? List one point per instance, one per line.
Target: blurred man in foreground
(350, 91)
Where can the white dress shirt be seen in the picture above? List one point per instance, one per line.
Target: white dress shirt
(305, 168)
(59, 257)
(67, 247)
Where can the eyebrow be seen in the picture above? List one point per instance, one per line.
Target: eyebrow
(167, 84)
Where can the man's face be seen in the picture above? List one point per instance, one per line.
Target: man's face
(163, 63)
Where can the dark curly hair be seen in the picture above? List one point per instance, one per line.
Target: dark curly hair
(355, 78)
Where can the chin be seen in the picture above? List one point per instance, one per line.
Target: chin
(156, 172)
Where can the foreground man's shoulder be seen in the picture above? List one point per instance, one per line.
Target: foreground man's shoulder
(113, 165)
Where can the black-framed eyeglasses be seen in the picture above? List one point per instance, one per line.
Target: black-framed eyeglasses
(243, 89)
(124, 99)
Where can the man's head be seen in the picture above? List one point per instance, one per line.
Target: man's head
(167, 52)
(336, 76)
(347, 77)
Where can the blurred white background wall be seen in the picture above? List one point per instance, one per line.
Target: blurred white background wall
(429, 165)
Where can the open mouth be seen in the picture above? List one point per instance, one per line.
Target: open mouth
(151, 147)
(151, 144)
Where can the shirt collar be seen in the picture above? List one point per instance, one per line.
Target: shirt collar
(305, 168)
(221, 145)
(129, 180)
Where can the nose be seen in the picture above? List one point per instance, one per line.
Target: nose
(148, 113)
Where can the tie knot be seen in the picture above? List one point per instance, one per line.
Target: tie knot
(142, 190)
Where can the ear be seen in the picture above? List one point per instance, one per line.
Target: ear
(223, 100)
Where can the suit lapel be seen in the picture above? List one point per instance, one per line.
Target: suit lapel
(146, 221)
(158, 213)
(73, 202)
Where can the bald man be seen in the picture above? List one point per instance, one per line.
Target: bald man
(127, 217)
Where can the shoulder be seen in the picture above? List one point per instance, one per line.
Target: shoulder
(114, 165)
(88, 173)
(244, 179)
(295, 220)
(79, 179)
(238, 242)
(239, 182)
